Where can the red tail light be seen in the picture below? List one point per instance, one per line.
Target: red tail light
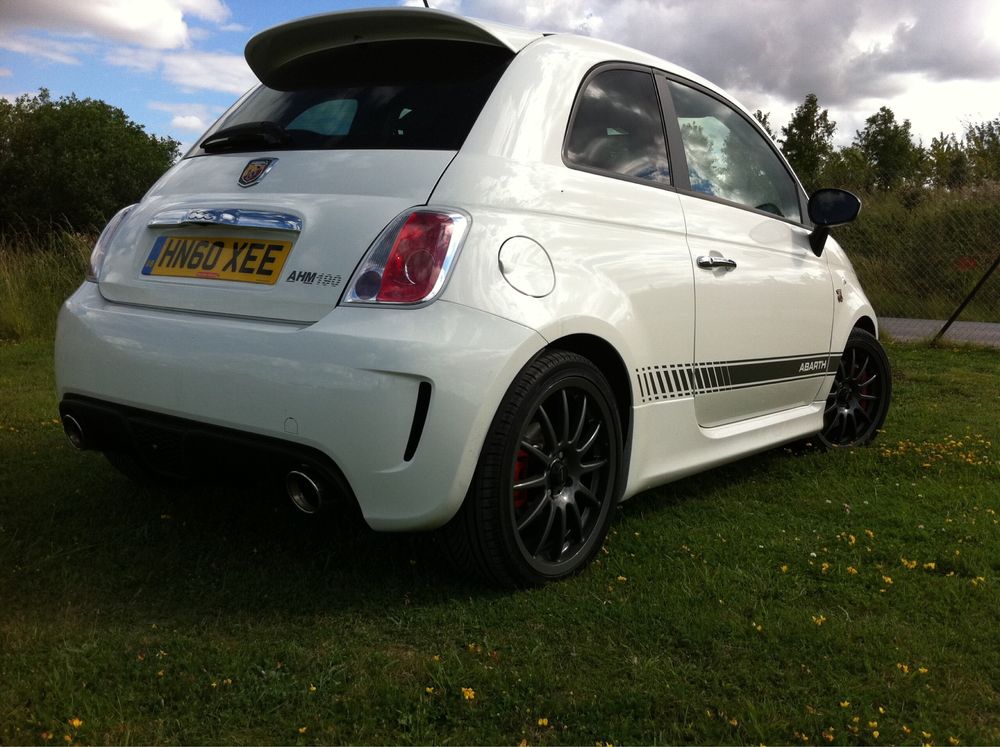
(410, 259)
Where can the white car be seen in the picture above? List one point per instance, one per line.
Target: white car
(474, 278)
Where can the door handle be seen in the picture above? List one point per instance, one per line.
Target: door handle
(710, 263)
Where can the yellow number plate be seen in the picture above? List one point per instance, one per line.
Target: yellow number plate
(247, 260)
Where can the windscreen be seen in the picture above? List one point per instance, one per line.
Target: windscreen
(423, 95)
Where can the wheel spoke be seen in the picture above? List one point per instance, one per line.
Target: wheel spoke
(582, 491)
(868, 397)
(565, 416)
(593, 466)
(590, 441)
(575, 520)
(535, 513)
(550, 432)
(563, 545)
(531, 482)
(535, 451)
(867, 383)
(546, 531)
(583, 420)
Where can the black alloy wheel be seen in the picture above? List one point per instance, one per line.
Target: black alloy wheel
(543, 494)
(858, 403)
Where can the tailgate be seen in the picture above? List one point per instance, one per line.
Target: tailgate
(283, 249)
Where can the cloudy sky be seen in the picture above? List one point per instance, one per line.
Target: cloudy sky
(175, 65)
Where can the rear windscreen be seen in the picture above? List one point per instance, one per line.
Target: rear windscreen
(422, 95)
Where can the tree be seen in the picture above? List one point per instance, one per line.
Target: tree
(948, 164)
(848, 169)
(73, 162)
(982, 145)
(889, 149)
(807, 141)
(764, 120)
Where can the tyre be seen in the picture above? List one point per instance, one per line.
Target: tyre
(859, 400)
(548, 476)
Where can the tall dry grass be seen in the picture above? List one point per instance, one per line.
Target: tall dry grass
(37, 273)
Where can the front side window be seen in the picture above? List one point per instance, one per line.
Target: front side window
(617, 127)
(728, 158)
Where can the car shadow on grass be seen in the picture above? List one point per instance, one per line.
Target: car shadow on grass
(237, 547)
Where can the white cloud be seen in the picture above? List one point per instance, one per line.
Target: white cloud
(234, 27)
(6, 72)
(189, 122)
(134, 58)
(208, 71)
(53, 50)
(189, 116)
(156, 24)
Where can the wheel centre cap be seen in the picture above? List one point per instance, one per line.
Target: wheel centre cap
(558, 475)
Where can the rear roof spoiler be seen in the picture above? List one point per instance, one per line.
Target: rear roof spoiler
(272, 50)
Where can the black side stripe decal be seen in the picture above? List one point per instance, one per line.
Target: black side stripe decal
(675, 380)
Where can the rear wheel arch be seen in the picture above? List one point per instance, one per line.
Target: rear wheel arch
(607, 358)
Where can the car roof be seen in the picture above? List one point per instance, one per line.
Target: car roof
(270, 52)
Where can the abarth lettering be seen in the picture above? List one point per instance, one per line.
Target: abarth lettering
(818, 365)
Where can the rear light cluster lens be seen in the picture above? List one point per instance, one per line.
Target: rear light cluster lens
(103, 243)
(410, 260)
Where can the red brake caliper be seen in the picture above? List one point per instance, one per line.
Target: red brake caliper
(520, 470)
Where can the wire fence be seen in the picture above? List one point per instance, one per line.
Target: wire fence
(927, 259)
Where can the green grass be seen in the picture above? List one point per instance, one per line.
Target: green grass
(221, 616)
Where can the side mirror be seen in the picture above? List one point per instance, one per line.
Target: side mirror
(829, 208)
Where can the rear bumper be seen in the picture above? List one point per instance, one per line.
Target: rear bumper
(346, 388)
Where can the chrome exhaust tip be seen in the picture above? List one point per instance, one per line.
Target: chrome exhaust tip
(74, 432)
(306, 493)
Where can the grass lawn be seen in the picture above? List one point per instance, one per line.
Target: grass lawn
(849, 597)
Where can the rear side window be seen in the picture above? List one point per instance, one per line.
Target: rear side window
(422, 95)
(729, 158)
(617, 128)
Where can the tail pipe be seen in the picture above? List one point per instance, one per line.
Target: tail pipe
(74, 432)
(307, 490)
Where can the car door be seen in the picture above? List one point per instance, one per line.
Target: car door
(763, 299)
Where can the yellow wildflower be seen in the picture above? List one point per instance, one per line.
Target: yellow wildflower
(733, 722)
(46, 735)
(75, 722)
(953, 741)
(887, 579)
(870, 534)
(825, 567)
(66, 737)
(435, 658)
(621, 579)
(819, 619)
(906, 729)
(543, 722)
(303, 729)
(875, 733)
(429, 690)
(852, 570)
(784, 568)
(930, 566)
(845, 704)
(312, 687)
(904, 668)
(926, 734)
(873, 724)
(468, 693)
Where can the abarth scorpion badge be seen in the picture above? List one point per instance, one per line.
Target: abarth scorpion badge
(256, 170)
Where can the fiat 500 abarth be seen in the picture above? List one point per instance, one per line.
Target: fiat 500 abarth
(476, 279)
